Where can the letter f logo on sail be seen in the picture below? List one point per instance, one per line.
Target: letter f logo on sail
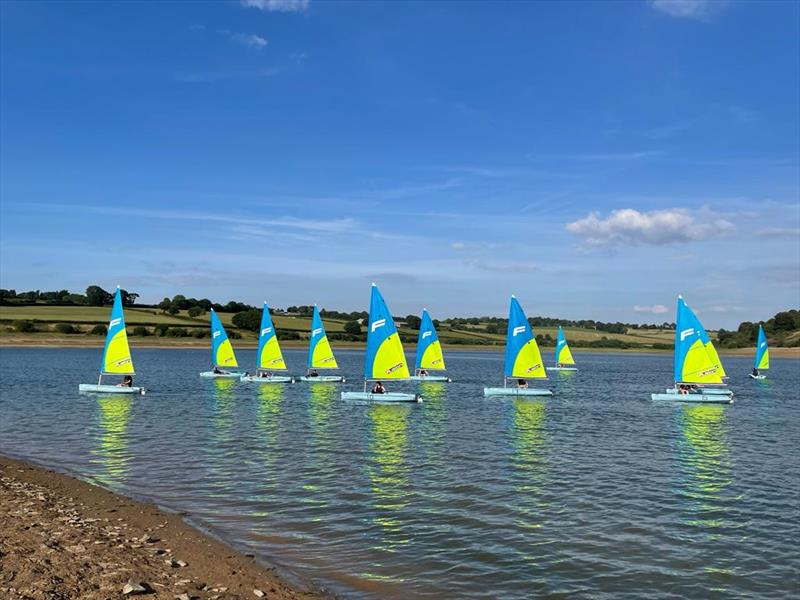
(517, 330)
(686, 333)
(378, 323)
(427, 334)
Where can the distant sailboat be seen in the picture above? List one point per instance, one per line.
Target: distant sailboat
(523, 357)
(564, 360)
(269, 357)
(384, 358)
(320, 353)
(762, 355)
(116, 355)
(222, 356)
(429, 352)
(693, 368)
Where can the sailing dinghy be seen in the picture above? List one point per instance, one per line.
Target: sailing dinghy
(384, 358)
(693, 368)
(320, 354)
(269, 357)
(429, 352)
(564, 360)
(116, 355)
(762, 355)
(523, 358)
(222, 356)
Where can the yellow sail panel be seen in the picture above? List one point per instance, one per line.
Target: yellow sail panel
(712, 354)
(698, 366)
(117, 357)
(565, 356)
(323, 358)
(225, 356)
(433, 357)
(764, 362)
(528, 363)
(390, 361)
(271, 357)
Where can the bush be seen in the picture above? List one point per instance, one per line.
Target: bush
(24, 326)
(352, 327)
(195, 311)
(65, 328)
(161, 329)
(177, 332)
(199, 333)
(249, 319)
(234, 335)
(140, 331)
(99, 330)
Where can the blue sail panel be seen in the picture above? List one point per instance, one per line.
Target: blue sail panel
(762, 350)
(692, 363)
(221, 350)
(384, 357)
(269, 356)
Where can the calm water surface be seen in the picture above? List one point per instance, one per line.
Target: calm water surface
(597, 492)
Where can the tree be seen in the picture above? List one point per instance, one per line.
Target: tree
(128, 298)
(195, 311)
(97, 296)
(352, 327)
(413, 322)
(165, 304)
(180, 302)
(173, 309)
(491, 328)
(248, 319)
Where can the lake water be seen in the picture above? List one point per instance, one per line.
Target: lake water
(597, 492)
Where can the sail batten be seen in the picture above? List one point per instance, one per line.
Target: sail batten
(762, 350)
(429, 350)
(117, 353)
(692, 361)
(384, 357)
(221, 350)
(320, 353)
(523, 357)
(269, 356)
(563, 353)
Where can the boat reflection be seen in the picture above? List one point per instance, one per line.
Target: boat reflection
(224, 404)
(433, 419)
(388, 470)
(530, 460)
(112, 439)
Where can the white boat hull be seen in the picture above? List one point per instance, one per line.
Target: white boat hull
(387, 397)
(443, 378)
(694, 398)
(758, 376)
(562, 368)
(228, 375)
(93, 388)
(513, 391)
(323, 379)
(706, 391)
(273, 379)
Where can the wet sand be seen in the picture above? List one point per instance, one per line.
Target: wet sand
(62, 538)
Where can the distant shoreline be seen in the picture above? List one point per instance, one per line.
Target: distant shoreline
(185, 344)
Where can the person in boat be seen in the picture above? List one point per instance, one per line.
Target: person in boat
(522, 383)
(755, 372)
(423, 373)
(378, 388)
(313, 373)
(682, 389)
(127, 381)
(217, 371)
(265, 374)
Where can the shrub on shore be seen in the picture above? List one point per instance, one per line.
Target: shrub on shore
(141, 331)
(177, 332)
(66, 328)
(99, 330)
(24, 326)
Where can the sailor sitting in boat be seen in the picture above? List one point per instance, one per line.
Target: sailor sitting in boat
(217, 371)
(423, 373)
(378, 388)
(127, 381)
(521, 383)
(755, 372)
(313, 373)
(265, 374)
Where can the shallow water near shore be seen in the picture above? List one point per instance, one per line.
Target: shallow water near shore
(596, 492)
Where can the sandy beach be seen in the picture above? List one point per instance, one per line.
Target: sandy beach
(66, 539)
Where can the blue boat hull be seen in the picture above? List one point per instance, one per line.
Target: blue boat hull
(707, 391)
(513, 391)
(389, 397)
(694, 398)
(443, 378)
(273, 379)
(93, 388)
(323, 379)
(228, 375)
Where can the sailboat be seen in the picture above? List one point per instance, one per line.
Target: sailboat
(429, 352)
(564, 360)
(384, 358)
(222, 356)
(269, 357)
(762, 355)
(320, 354)
(708, 388)
(693, 368)
(523, 358)
(116, 355)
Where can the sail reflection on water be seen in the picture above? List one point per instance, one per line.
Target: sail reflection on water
(530, 460)
(111, 451)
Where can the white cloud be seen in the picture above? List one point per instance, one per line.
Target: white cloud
(655, 309)
(780, 232)
(249, 39)
(278, 5)
(659, 227)
(458, 245)
(688, 9)
(509, 267)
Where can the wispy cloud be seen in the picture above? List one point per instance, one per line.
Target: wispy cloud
(211, 76)
(779, 232)
(598, 157)
(504, 267)
(689, 9)
(278, 5)
(248, 39)
(653, 309)
(670, 129)
(659, 227)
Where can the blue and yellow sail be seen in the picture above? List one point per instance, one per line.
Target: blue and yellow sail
(384, 357)
(429, 350)
(707, 344)
(692, 362)
(762, 350)
(221, 350)
(117, 353)
(320, 353)
(523, 358)
(269, 356)
(563, 353)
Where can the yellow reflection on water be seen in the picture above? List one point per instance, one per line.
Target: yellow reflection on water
(224, 402)
(433, 419)
(530, 459)
(705, 458)
(112, 440)
(320, 404)
(388, 469)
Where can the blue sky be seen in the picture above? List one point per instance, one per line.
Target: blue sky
(593, 158)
